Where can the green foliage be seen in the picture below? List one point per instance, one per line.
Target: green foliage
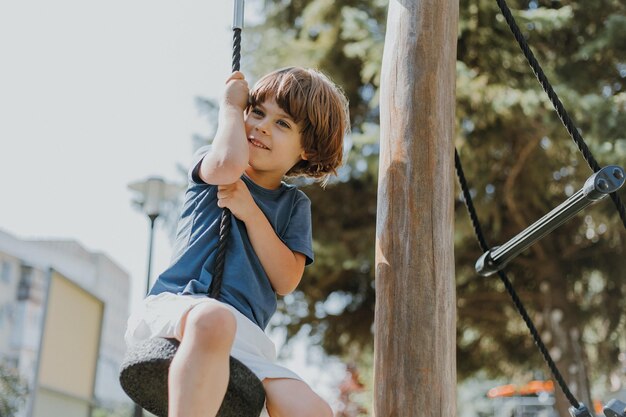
(505, 119)
(13, 390)
(343, 38)
(517, 156)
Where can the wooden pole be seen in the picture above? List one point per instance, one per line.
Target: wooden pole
(415, 325)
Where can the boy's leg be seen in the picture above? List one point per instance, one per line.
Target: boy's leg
(199, 372)
(293, 398)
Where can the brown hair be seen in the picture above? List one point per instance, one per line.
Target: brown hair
(320, 109)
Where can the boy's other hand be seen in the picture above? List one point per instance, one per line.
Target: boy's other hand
(238, 199)
(237, 90)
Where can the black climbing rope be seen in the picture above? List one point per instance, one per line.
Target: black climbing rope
(220, 258)
(556, 102)
(507, 284)
(574, 133)
(236, 49)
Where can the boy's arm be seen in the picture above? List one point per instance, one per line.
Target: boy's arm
(283, 266)
(228, 157)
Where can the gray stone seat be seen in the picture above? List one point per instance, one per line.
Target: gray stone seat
(144, 374)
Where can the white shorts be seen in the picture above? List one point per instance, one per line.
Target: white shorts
(160, 316)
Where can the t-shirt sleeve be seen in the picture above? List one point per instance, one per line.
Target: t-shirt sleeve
(299, 234)
(193, 174)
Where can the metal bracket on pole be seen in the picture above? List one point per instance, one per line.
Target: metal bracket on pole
(604, 182)
(238, 15)
(581, 411)
(615, 408)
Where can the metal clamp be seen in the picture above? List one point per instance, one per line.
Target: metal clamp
(604, 182)
(238, 14)
(615, 408)
(581, 411)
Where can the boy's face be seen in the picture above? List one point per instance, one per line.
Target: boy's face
(273, 139)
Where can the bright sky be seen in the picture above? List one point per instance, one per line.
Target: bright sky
(94, 96)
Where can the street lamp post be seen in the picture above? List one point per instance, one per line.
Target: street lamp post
(152, 218)
(151, 195)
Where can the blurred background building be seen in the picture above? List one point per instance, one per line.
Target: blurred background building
(63, 313)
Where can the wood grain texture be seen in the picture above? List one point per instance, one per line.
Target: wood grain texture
(415, 325)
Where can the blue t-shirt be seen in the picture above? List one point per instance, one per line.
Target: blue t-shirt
(245, 284)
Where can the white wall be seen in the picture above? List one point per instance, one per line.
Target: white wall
(95, 273)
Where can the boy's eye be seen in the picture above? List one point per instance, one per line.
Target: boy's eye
(283, 124)
(257, 111)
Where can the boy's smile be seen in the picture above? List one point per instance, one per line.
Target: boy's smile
(256, 143)
(274, 141)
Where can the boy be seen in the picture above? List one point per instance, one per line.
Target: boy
(292, 123)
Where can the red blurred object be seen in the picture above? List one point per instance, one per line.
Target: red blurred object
(351, 384)
(531, 388)
(535, 387)
(502, 391)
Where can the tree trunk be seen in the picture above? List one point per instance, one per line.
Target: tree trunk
(415, 367)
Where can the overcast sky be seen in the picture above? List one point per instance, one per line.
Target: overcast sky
(94, 96)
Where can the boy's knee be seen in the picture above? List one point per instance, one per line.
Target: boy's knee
(213, 325)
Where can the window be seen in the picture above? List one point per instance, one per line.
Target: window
(26, 281)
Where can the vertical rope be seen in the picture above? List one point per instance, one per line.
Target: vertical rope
(225, 221)
(236, 49)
